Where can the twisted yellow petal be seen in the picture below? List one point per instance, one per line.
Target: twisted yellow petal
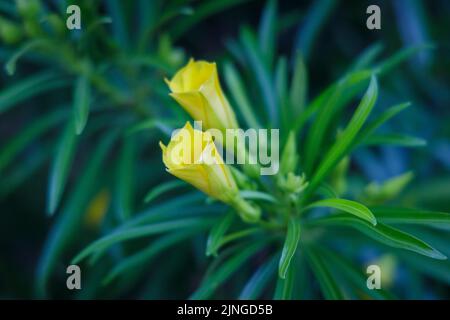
(196, 87)
(192, 156)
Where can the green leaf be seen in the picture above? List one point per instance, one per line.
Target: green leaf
(267, 31)
(281, 88)
(255, 286)
(348, 206)
(367, 57)
(320, 267)
(67, 226)
(116, 12)
(402, 55)
(125, 179)
(164, 125)
(29, 88)
(285, 286)
(383, 118)
(437, 269)
(299, 85)
(129, 264)
(81, 103)
(10, 65)
(61, 166)
(318, 129)
(26, 136)
(350, 84)
(168, 209)
(257, 195)
(290, 246)
(219, 276)
(376, 193)
(382, 233)
(410, 216)
(354, 275)
(239, 95)
(340, 147)
(327, 191)
(163, 188)
(217, 233)
(394, 139)
(23, 172)
(201, 12)
(318, 13)
(138, 232)
(261, 75)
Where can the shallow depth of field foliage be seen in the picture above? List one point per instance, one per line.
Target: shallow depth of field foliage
(364, 159)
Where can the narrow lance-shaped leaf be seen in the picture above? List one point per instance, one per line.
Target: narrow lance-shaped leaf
(29, 88)
(379, 121)
(61, 166)
(81, 103)
(238, 93)
(255, 286)
(285, 286)
(353, 274)
(339, 149)
(299, 85)
(348, 206)
(383, 233)
(163, 188)
(125, 179)
(201, 12)
(290, 246)
(410, 216)
(330, 288)
(350, 84)
(129, 264)
(394, 139)
(261, 74)
(69, 220)
(308, 31)
(33, 131)
(137, 232)
(217, 233)
(10, 66)
(281, 88)
(367, 57)
(218, 276)
(267, 31)
(318, 129)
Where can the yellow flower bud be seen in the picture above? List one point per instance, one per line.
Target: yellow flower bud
(192, 156)
(197, 89)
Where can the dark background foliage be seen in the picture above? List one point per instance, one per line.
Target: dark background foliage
(424, 80)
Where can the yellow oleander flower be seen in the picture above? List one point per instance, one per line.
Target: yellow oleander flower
(197, 89)
(192, 156)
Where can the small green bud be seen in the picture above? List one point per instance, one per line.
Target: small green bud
(292, 183)
(289, 157)
(57, 25)
(28, 9)
(32, 28)
(9, 32)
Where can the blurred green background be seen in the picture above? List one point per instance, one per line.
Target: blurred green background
(125, 49)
